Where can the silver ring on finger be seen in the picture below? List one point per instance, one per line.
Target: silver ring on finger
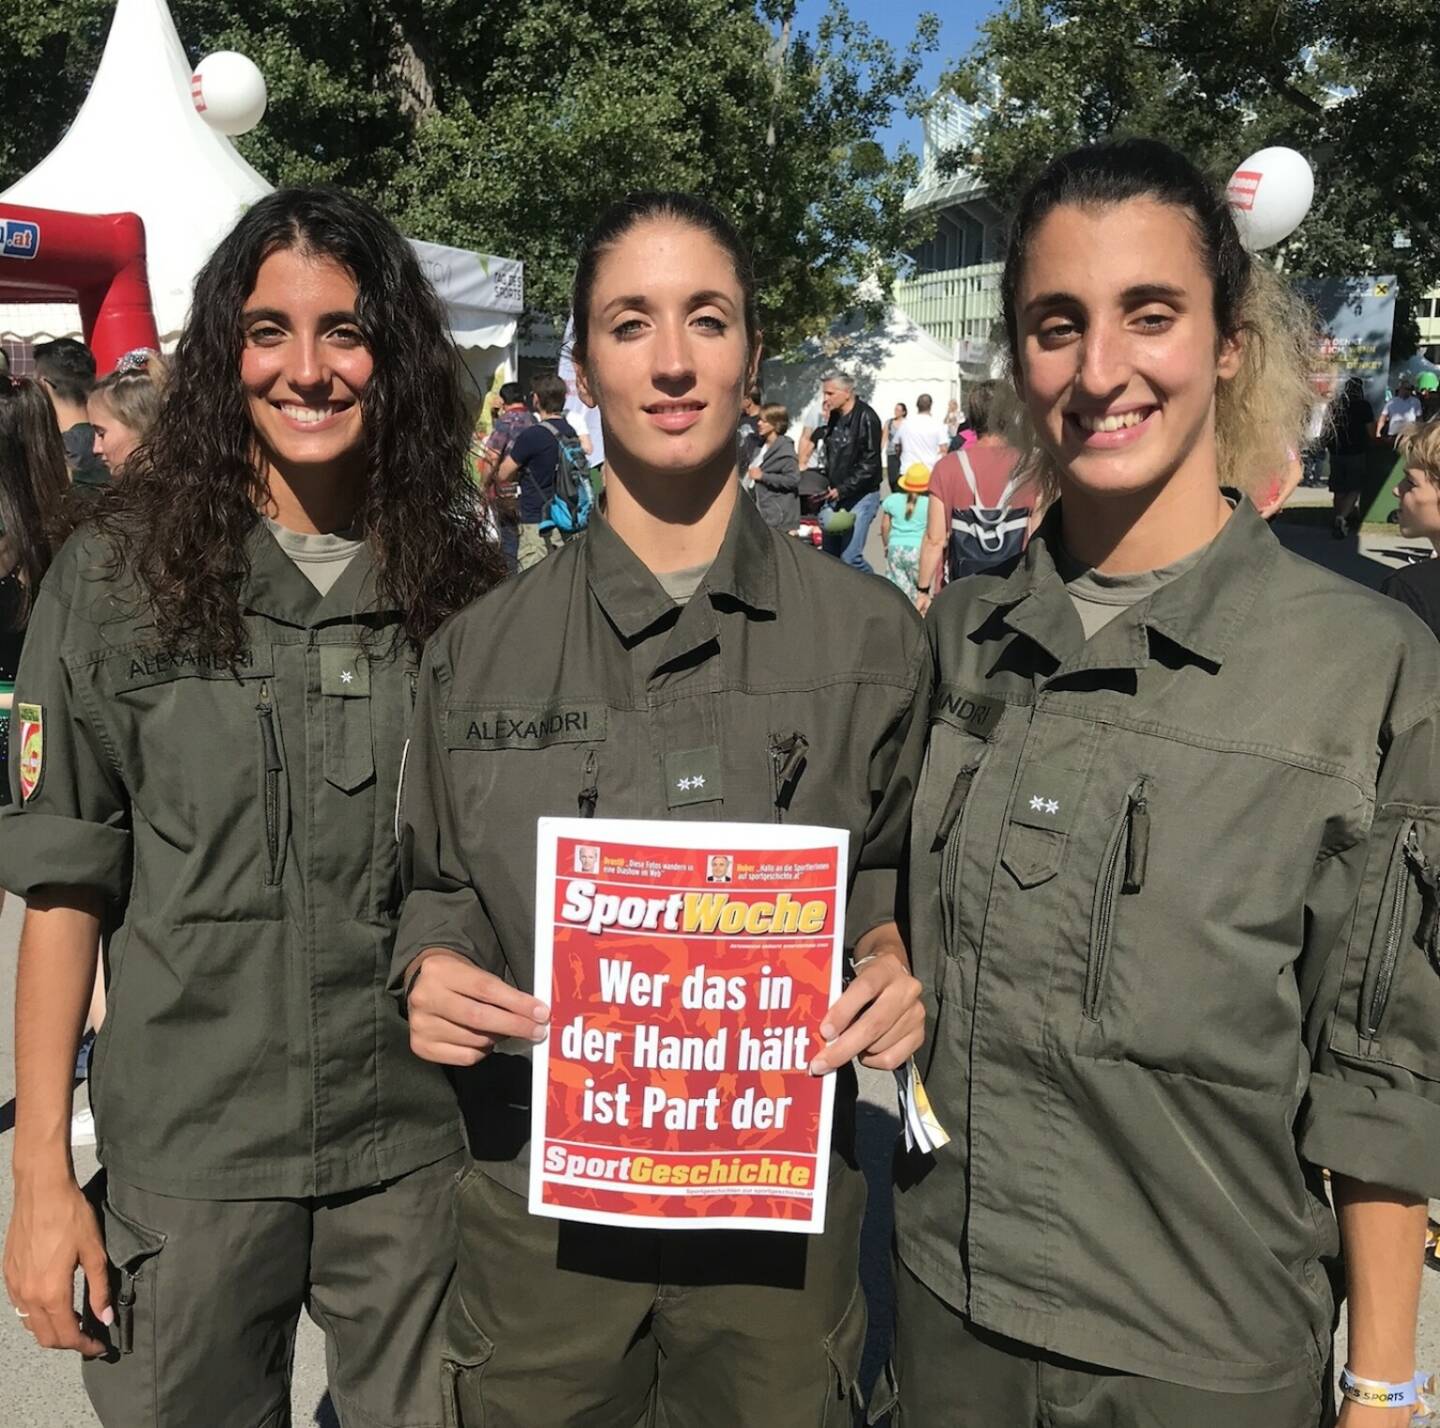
(20, 1313)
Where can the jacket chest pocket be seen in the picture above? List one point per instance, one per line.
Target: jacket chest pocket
(1390, 997)
(1122, 871)
(346, 712)
(1038, 830)
(1186, 969)
(942, 819)
(949, 838)
(274, 788)
(511, 764)
(202, 752)
(185, 735)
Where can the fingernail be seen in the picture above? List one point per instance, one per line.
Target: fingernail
(107, 1316)
(827, 1032)
(819, 1066)
(542, 1012)
(540, 1033)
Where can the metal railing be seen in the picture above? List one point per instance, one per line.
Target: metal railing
(955, 305)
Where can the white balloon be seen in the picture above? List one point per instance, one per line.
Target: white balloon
(1270, 194)
(229, 92)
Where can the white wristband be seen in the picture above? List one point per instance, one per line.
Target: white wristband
(1374, 1393)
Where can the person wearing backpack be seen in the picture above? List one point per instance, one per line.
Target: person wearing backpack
(534, 464)
(979, 513)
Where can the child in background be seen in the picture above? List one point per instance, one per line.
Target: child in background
(1418, 586)
(902, 527)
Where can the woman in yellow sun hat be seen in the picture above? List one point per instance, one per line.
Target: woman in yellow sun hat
(902, 527)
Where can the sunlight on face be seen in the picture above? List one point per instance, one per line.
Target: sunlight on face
(305, 364)
(1419, 496)
(1119, 353)
(114, 441)
(668, 356)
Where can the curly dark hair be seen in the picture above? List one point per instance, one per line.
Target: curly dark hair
(192, 492)
(35, 509)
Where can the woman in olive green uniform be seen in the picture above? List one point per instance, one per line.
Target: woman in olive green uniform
(682, 661)
(215, 690)
(1174, 879)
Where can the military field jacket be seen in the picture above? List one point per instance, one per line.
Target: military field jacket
(1174, 900)
(787, 683)
(241, 823)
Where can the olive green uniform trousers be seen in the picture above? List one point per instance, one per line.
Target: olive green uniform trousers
(207, 1295)
(953, 1374)
(557, 1325)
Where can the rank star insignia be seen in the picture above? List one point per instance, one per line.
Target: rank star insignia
(1037, 804)
(347, 676)
(1052, 805)
(692, 776)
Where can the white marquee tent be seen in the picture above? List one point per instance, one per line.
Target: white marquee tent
(892, 361)
(138, 145)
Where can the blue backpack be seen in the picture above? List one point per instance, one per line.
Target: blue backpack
(569, 508)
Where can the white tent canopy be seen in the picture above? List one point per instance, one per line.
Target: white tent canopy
(482, 295)
(138, 146)
(893, 360)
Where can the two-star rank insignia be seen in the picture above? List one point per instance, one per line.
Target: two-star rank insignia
(692, 776)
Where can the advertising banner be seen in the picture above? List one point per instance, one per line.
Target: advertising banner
(688, 967)
(1357, 322)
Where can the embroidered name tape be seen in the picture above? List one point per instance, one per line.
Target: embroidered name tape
(973, 713)
(142, 668)
(502, 727)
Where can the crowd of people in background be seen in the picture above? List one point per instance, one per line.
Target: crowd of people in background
(63, 437)
(953, 509)
(948, 481)
(285, 546)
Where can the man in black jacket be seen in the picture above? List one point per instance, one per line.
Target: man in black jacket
(853, 463)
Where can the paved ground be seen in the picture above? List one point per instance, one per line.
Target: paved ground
(42, 1390)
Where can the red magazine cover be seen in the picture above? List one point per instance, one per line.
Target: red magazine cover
(688, 967)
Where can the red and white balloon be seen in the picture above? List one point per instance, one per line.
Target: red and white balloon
(1270, 194)
(229, 92)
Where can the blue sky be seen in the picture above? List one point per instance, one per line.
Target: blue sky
(894, 20)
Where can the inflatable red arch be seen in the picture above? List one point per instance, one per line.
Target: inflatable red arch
(94, 260)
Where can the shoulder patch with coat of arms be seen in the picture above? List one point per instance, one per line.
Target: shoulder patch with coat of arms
(30, 721)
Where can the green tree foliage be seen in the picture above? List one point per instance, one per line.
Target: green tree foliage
(1350, 86)
(507, 128)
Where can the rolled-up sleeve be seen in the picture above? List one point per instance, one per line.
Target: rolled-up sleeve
(442, 907)
(1373, 1024)
(895, 764)
(68, 824)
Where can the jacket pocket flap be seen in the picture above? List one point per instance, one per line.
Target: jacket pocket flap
(349, 748)
(1032, 855)
(127, 1243)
